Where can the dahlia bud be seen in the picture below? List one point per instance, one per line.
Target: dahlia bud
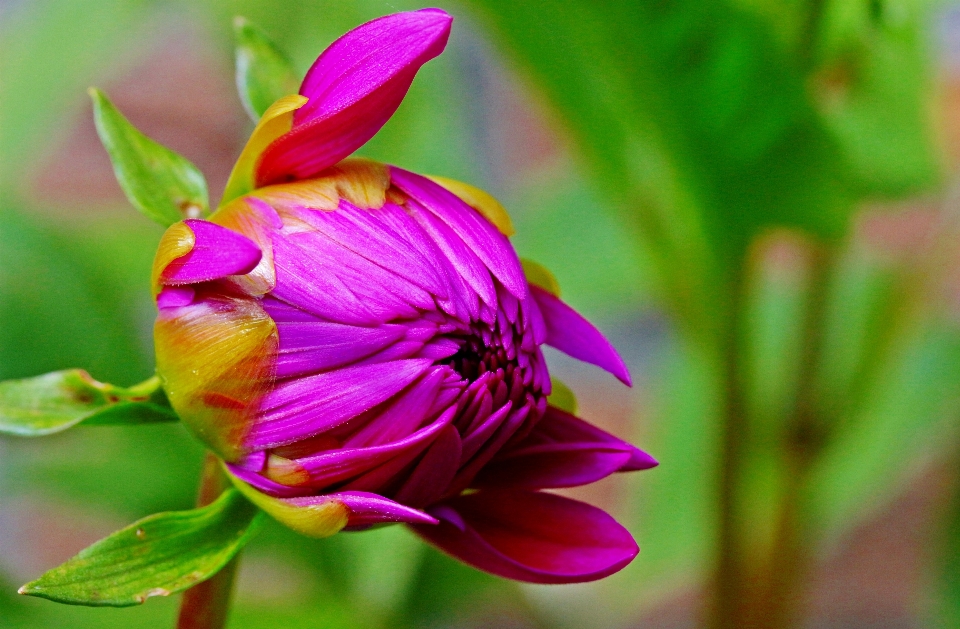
(360, 344)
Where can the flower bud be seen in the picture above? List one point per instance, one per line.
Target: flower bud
(360, 343)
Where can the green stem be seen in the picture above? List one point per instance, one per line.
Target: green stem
(206, 605)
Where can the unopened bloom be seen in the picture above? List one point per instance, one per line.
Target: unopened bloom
(360, 343)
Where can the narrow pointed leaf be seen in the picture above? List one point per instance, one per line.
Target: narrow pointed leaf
(159, 555)
(264, 73)
(160, 183)
(59, 400)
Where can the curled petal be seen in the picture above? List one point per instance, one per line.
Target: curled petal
(216, 252)
(530, 536)
(353, 88)
(176, 242)
(573, 335)
(320, 516)
(328, 514)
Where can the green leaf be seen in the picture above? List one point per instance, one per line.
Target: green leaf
(873, 87)
(156, 556)
(53, 402)
(160, 183)
(264, 73)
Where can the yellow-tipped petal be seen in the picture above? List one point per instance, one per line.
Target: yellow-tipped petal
(479, 200)
(361, 182)
(539, 275)
(176, 242)
(277, 120)
(317, 520)
(216, 360)
(285, 471)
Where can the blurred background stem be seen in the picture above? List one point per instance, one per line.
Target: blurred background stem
(781, 601)
(756, 584)
(206, 605)
(730, 578)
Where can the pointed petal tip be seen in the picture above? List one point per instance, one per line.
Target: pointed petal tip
(639, 460)
(434, 14)
(571, 333)
(365, 508)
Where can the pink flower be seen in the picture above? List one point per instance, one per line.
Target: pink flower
(360, 343)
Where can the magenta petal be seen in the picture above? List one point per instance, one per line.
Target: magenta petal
(217, 252)
(311, 347)
(388, 237)
(552, 466)
(563, 451)
(483, 238)
(175, 297)
(433, 473)
(531, 536)
(368, 508)
(320, 276)
(353, 88)
(304, 407)
(336, 466)
(573, 335)
(464, 265)
(384, 474)
(362, 60)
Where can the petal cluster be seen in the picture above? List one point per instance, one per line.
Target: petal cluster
(360, 343)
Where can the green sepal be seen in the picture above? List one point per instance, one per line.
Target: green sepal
(539, 275)
(562, 397)
(161, 184)
(53, 402)
(264, 73)
(159, 555)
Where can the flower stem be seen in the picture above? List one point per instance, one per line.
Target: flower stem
(206, 605)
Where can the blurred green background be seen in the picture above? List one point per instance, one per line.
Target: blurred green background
(769, 185)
